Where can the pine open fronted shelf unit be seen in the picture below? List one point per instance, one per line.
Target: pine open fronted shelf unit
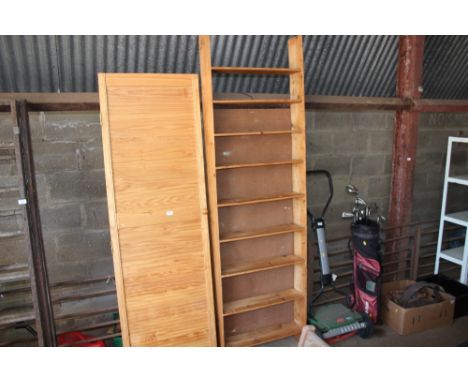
(256, 175)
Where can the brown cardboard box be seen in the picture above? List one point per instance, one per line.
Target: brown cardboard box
(413, 320)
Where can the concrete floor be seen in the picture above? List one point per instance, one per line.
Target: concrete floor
(453, 335)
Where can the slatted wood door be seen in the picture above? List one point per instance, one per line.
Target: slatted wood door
(153, 157)
(256, 172)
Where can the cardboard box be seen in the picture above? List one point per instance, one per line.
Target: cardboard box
(413, 320)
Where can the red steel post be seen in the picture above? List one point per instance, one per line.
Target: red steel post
(405, 138)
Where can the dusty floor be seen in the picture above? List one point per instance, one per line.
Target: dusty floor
(453, 335)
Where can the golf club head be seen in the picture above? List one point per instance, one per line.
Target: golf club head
(351, 189)
(360, 201)
(347, 215)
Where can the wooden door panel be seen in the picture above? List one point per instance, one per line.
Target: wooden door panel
(157, 208)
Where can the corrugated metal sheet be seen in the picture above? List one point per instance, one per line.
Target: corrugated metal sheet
(335, 65)
(446, 67)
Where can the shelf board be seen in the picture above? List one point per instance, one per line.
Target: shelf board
(460, 218)
(256, 101)
(458, 139)
(271, 231)
(262, 301)
(252, 70)
(259, 164)
(263, 335)
(260, 265)
(264, 199)
(459, 179)
(454, 255)
(256, 133)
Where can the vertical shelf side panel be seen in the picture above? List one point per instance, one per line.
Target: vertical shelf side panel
(443, 207)
(296, 62)
(210, 155)
(109, 176)
(204, 208)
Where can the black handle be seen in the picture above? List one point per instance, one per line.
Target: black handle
(330, 186)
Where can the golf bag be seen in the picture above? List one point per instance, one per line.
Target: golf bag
(367, 268)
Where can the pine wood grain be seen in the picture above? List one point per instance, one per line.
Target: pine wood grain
(209, 129)
(259, 101)
(265, 132)
(258, 164)
(263, 335)
(256, 181)
(260, 301)
(264, 199)
(263, 232)
(296, 84)
(260, 265)
(252, 70)
(157, 208)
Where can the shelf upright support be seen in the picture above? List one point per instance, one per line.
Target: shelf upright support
(296, 85)
(209, 135)
(443, 209)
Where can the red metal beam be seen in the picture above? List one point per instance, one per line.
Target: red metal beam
(405, 138)
(89, 102)
(440, 106)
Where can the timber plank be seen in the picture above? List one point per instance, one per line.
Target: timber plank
(257, 101)
(270, 231)
(264, 199)
(261, 301)
(252, 70)
(260, 265)
(266, 334)
(258, 164)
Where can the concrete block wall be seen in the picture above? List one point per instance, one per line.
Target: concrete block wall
(355, 147)
(71, 187)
